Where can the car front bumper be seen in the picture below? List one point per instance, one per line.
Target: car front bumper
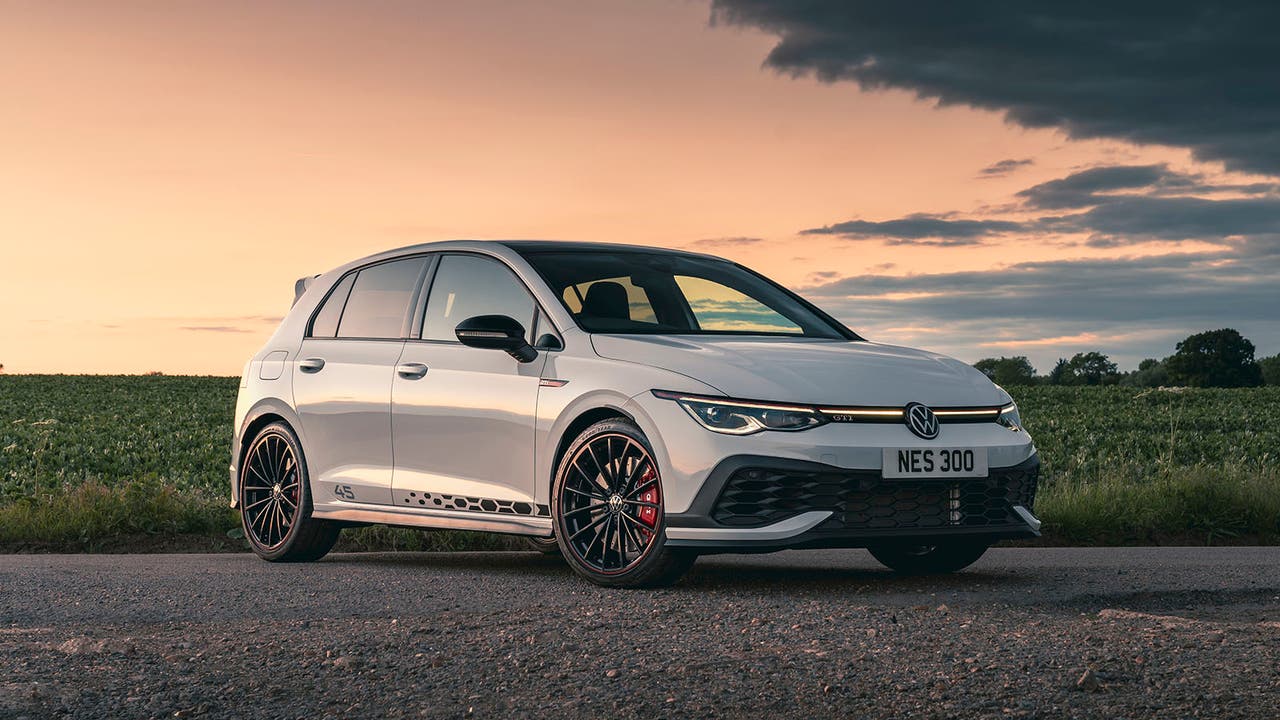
(825, 487)
(761, 504)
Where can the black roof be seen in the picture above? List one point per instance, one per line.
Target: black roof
(525, 246)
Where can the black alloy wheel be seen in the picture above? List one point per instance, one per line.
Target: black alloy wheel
(275, 500)
(609, 512)
(272, 490)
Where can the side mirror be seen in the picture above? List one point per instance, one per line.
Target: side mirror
(496, 332)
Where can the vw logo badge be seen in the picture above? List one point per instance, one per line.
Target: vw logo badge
(921, 421)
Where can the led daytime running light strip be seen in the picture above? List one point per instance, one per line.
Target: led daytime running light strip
(868, 412)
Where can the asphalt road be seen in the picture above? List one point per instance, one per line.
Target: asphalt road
(1089, 633)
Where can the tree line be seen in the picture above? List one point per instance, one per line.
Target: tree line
(1217, 358)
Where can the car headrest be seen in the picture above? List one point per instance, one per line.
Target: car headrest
(607, 299)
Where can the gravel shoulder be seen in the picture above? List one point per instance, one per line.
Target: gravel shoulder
(1027, 632)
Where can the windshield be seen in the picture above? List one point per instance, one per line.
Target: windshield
(633, 292)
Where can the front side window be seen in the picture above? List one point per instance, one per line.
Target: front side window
(469, 285)
(380, 299)
(640, 292)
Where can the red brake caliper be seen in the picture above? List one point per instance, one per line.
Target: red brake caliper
(648, 515)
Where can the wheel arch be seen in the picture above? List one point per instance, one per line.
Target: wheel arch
(262, 414)
(586, 414)
(582, 421)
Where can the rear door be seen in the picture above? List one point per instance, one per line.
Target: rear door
(463, 418)
(342, 380)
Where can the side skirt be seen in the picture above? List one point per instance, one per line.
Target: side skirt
(436, 519)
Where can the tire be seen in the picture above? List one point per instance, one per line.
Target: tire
(546, 546)
(608, 491)
(275, 500)
(913, 559)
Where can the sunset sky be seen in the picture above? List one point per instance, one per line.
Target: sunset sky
(168, 169)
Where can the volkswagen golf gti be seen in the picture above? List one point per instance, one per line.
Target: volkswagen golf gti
(630, 408)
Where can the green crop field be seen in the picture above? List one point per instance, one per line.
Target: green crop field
(136, 463)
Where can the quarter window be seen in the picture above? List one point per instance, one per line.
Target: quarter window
(325, 324)
(380, 299)
(543, 328)
(469, 285)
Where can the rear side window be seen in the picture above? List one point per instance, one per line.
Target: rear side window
(469, 285)
(325, 325)
(379, 300)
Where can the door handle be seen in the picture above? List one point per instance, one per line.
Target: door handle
(411, 371)
(311, 365)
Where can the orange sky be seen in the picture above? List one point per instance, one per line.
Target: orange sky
(170, 168)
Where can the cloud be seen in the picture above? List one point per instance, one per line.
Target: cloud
(214, 328)
(1003, 167)
(920, 229)
(1134, 307)
(1089, 338)
(225, 324)
(1187, 284)
(1111, 206)
(724, 242)
(1087, 187)
(1140, 219)
(1187, 74)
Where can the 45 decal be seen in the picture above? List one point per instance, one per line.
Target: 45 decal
(344, 491)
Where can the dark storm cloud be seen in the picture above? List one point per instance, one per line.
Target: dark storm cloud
(1083, 188)
(1130, 308)
(1004, 167)
(1113, 206)
(920, 229)
(1195, 75)
(1115, 182)
(1139, 219)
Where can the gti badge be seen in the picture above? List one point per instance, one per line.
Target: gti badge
(921, 420)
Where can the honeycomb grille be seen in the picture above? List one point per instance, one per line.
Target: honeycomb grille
(754, 497)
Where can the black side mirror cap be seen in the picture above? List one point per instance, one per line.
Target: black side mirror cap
(496, 332)
(549, 342)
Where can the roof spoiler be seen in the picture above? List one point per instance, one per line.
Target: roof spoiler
(300, 287)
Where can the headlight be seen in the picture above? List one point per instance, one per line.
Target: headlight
(736, 417)
(1009, 417)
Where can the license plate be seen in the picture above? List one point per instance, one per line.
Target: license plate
(930, 462)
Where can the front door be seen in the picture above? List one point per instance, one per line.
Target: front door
(463, 418)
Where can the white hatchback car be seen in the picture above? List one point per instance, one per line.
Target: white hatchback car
(631, 407)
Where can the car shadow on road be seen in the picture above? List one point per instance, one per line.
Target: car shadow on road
(709, 574)
(515, 562)
(767, 573)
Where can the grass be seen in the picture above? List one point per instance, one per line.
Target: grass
(1203, 505)
(1141, 466)
(104, 463)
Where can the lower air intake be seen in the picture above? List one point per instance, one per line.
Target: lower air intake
(862, 500)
